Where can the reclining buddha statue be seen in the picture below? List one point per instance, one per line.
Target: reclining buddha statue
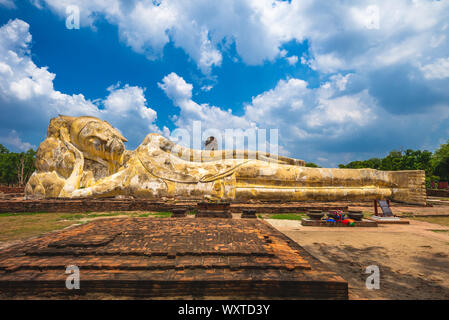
(86, 157)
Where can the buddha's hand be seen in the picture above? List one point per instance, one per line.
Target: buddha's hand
(80, 193)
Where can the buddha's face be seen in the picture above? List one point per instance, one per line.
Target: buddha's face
(98, 140)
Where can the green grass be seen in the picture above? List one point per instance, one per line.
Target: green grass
(95, 215)
(156, 214)
(288, 216)
(144, 215)
(442, 221)
(22, 225)
(440, 231)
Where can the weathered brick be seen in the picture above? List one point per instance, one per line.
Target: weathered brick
(168, 257)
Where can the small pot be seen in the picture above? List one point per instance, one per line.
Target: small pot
(315, 215)
(355, 215)
(331, 214)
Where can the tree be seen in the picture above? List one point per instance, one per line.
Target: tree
(312, 165)
(397, 160)
(440, 162)
(25, 166)
(3, 149)
(16, 168)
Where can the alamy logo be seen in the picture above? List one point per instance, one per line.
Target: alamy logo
(373, 281)
(73, 280)
(252, 139)
(372, 17)
(73, 17)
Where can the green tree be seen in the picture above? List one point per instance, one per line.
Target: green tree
(440, 162)
(397, 160)
(3, 149)
(312, 165)
(16, 168)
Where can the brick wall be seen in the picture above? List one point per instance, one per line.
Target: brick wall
(108, 205)
(437, 193)
(6, 189)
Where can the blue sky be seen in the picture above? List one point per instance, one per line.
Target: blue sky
(341, 80)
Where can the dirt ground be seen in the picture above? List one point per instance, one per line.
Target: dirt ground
(413, 259)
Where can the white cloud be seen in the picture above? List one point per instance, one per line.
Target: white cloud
(328, 63)
(126, 100)
(298, 112)
(24, 82)
(342, 35)
(8, 4)
(176, 88)
(384, 32)
(127, 107)
(13, 140)
(180, 92)
(301, 113)
(341, 110)
(327, 124)
(206, 88)
(28, 98)
(292, 60)
(437, 70)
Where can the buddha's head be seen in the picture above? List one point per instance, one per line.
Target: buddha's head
(95, 138)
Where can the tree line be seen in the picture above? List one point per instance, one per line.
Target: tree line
(16, 168)
(436, 164)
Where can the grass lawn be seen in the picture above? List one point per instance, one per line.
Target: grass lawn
(443, 221)
(156, 214)
(288, 216)
(25, 225)
(18, 226)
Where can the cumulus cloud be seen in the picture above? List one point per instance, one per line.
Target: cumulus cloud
(332, 122)
(28, 98)
(437, 70)
(387, 45)
(396, 52)
(180, 92)
(299, 113)
(8, 4)
(342, 35)
(292, 60)
(13, 140)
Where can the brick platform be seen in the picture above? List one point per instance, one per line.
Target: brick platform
(380, 220)
(324, 223)
(149, 257)
(105, 205)
(15, 190)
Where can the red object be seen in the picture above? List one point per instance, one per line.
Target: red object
(347, 221)
(443, 185)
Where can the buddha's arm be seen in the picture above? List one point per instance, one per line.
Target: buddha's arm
(73, 181)
(108, 186)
